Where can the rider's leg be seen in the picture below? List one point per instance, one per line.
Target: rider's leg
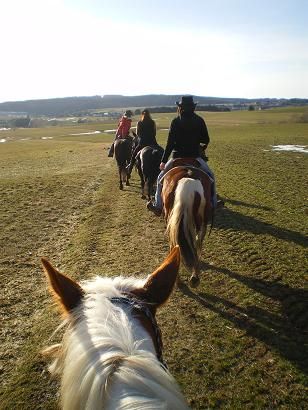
(133, 159)
(207, 169)
(159, 186)
(157, 205)
(111, 150)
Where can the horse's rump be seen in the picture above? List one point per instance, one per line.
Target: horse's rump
(122, 154)
(148, 166)
(171, 180)
(122, 150)
(150, 158)
(187, 205)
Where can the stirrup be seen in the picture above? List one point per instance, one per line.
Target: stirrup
(220, 204)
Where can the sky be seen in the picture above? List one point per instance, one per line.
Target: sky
(221, 48)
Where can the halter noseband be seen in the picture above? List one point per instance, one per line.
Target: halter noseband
(142, 307)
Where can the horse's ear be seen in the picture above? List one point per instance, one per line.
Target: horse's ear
(160, 284)
(67, 292)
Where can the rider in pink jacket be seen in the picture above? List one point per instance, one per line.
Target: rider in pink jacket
(123, 129)
(124, 126)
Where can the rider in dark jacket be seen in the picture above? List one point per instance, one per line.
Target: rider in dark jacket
(188, 136)
(187, 132)
(146, 131)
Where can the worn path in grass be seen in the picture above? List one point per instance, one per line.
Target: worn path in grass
(238, 341)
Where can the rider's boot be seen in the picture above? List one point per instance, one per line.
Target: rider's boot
(153, 208)
(157, 206)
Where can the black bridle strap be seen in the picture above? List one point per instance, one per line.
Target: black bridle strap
(142, 307)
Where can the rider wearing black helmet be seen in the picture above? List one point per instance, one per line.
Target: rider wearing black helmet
(188, 136)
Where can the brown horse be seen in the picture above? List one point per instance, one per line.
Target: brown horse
(186, 196)
(122, 153)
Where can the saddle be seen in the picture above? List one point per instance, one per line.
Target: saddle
(180, 162)
(191, 163)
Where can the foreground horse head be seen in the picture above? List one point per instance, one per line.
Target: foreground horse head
(111, 353)
(147, 165)
(186, 196)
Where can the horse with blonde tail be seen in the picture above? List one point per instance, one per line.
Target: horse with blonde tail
(111, 355)
(186, 197)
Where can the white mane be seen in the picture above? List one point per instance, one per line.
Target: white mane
(107, 360)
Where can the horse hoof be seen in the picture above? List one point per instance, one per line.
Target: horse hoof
(127, 183)
(121, 187)
(143, 197)
(194, 281)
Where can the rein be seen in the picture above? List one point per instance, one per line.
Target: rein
(142, 307)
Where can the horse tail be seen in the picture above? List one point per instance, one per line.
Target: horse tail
(185, 226)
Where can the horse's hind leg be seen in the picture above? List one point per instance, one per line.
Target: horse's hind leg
(143, 196)
(151, 189)
(141, 184)
(194, 280)
(127, 181)
(120, 176)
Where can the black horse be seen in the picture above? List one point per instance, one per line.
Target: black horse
(123, 149)
(147, 164)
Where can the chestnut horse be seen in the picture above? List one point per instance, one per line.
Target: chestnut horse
(186, 196)
(110, 356)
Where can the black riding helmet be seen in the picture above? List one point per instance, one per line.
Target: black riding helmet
(128, 113)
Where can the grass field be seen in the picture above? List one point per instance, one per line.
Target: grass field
(240, 339)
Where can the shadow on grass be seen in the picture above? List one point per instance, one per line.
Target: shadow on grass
(229, 219)
(285, 333)
(247, 205)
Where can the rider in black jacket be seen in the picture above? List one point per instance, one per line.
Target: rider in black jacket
(146, 131)
(187, 132)
(188, 137)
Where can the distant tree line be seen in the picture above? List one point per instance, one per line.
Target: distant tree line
(214, 108)
(20, 122)
(66, 106)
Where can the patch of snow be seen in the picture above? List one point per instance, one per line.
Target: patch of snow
(290, 148)
(47, 138)
(87, 133)
(5, 129)
(111, 131)
(3, 140)
(61, 119)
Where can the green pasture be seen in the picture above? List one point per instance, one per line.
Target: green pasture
(238, 341)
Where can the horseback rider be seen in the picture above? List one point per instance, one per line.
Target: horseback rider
(122, 130)
(146, 131)
(188, 135)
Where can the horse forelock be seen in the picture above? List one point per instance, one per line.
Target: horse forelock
(106, 358)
